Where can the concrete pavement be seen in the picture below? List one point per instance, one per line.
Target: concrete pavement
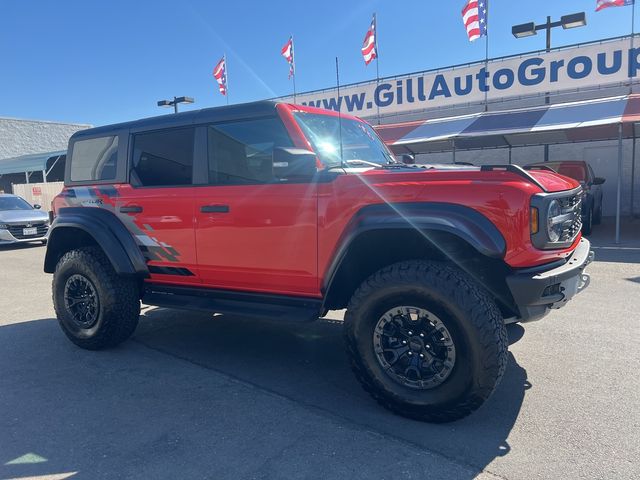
(198, 396)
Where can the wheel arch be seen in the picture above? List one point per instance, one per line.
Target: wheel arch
(77, 227)
(381, 235)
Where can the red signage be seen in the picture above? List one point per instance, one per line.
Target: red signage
(37, 191)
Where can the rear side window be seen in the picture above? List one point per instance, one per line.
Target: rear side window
(94, 159)
(241, 152)
(163, 158)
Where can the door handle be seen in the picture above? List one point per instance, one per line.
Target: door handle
(214, 209)
(131, 209)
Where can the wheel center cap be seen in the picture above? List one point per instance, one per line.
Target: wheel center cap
(416, 344)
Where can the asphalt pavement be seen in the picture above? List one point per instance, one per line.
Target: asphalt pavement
(196, 396)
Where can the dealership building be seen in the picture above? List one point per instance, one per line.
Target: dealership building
(572, 103)
(33, 151)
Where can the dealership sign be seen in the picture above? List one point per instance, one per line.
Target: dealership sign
(580, 67)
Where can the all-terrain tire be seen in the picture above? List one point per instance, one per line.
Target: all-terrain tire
(597, 218)
(466, 310)
(118, 300)
(587, 226)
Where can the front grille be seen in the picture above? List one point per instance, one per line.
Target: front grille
(571, 205)
(17, 230)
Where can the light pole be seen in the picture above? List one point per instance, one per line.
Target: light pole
(573, 20)
(174, 103)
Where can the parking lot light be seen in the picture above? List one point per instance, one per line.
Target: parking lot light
(174, 103)
(573, 20)
(524, 30)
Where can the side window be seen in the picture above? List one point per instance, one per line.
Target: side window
(94, 159)
(163, 158)
(591, 174)
(241, 152)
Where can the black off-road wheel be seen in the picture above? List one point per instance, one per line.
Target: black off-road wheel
(426, 341)
(96, 308)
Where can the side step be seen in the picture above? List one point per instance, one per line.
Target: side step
(257, 305)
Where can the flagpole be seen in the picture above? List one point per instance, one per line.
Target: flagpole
(375, 40)
(339, 113)
(486, 57)
(226, 75)
(293, 61)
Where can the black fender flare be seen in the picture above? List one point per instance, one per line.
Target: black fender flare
(462, 221)
(108, 232)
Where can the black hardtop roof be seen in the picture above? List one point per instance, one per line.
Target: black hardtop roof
(205, 115)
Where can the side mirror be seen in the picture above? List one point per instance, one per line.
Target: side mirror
(36, 206)
(294, 163)
(599, 180)
(408, 159)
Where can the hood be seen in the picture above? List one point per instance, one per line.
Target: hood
(554, 182)
(19, 216)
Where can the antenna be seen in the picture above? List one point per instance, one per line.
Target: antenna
(339, 113)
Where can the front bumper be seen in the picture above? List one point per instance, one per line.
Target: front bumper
(537, 291)
(7, 239)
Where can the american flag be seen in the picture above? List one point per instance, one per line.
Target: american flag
(474, 17)
(369, 46)
(287, 53)
(220, 74)
(600, 4)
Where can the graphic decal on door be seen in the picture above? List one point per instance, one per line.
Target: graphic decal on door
(106, 198)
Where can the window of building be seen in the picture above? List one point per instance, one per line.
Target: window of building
(94, 159)
(163, 158)
(241, 152)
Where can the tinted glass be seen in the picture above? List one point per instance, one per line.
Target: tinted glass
(241, 152)
(163, 158)
(571, 170)
(94, 159)
(330, 135)
(14, 203)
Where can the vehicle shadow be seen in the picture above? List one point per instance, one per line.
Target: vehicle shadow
(78, 409)
(21, 246)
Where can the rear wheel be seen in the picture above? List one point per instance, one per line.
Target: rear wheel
(95, 307)
(597, 218)
(587, 226)
(426, 341)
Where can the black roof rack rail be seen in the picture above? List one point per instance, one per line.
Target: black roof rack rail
(513, 169)
(539, 167)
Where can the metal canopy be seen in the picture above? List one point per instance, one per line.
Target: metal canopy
(614, 118)
(550, 124)
(28, 163)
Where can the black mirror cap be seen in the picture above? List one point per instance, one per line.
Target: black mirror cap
(408, 159)
(294, 163)
(36, 206)
(599, 180)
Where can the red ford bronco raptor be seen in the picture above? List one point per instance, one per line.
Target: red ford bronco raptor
(285, 212)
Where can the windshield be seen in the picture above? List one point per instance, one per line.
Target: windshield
(14, 203)
(360, 144)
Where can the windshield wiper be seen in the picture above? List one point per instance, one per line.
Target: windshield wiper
(364, 162)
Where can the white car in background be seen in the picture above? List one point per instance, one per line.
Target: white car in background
(20, 222)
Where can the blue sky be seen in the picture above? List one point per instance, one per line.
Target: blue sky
(105, 61)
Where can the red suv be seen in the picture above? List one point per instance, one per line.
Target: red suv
(285, 212)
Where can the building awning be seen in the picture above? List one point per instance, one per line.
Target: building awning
(28, 163)
(589, 120)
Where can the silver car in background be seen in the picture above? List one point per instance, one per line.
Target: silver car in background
(20, 222)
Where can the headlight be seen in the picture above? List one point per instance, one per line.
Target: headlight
(554, 228)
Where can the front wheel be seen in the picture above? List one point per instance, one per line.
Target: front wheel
(426, 341)
(95, 307)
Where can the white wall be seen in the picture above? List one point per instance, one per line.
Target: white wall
(22, 137)
(39, 193)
